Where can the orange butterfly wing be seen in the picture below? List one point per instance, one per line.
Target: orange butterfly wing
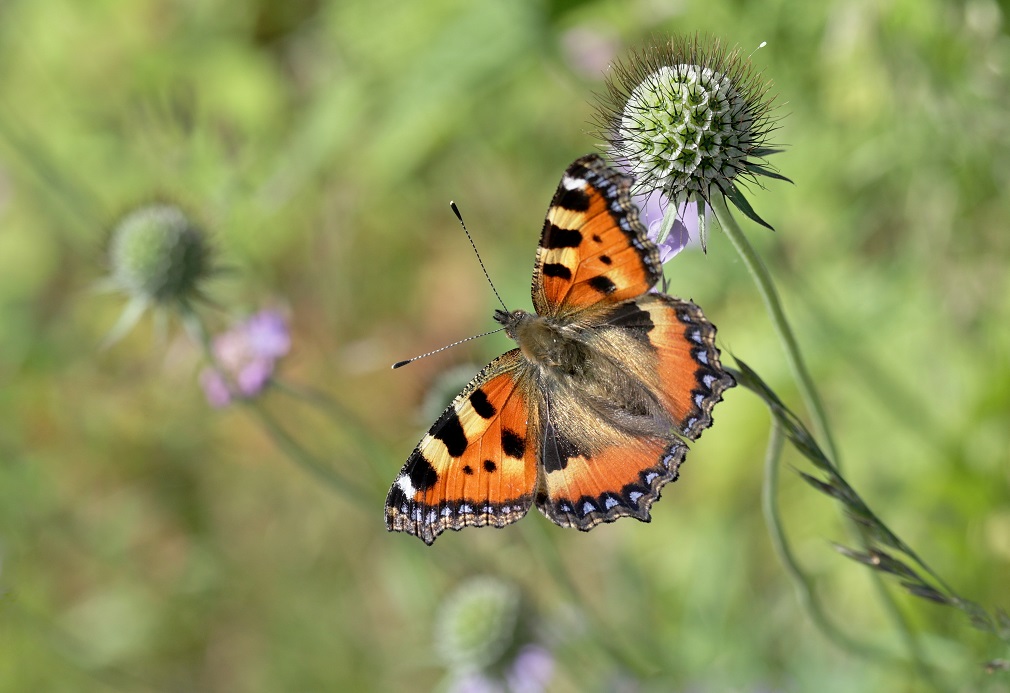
(581, 488)
(476, 466)
(593, 249)
(680, 362)
(595, 265)
(668, 347)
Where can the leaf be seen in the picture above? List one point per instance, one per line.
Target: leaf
(764, 171)
(823, 486)
(734, 195)
(890, 564)
(1003, 622)
(797, 433)
(926, 592)
(702, 227)
(880, 533)
(980, 618)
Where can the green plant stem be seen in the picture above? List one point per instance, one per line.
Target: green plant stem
(642, 664)
(766, 287)
(804, 588)
(67, 197)
(305, 460)
(349, 422)
(759, 273)
(284, 441)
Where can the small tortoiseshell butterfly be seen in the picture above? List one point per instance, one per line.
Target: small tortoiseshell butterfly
(586, 417)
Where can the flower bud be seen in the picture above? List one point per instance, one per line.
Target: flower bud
(477, 623)
(157, 254)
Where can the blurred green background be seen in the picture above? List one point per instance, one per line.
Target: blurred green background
(150, 543)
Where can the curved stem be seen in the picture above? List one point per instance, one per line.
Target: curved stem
(284, 441)
(766, 287)
(759, 273)
(305, 460)
(804, 587)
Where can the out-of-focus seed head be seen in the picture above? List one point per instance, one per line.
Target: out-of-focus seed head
(159, 255)
(477, 623)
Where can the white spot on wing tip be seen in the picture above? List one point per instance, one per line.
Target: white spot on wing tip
(569, 183)
(404, 483)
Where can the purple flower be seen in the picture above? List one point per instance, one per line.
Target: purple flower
(531, 671)
(589, 50)
(653, 206)
(245, 358)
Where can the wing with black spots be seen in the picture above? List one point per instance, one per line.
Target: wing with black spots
(582, 485)
(593, 248)
(475, 466)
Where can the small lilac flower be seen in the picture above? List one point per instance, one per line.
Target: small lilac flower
(245, 358)
(531, 671)
(653, 208)
(588, 50)
(675, 241)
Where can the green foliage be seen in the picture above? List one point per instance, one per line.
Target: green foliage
(148, 543)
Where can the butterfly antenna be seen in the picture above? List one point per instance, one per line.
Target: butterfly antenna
(455, 210)
(398, 364)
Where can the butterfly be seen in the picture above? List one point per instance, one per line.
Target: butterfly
(587, 417)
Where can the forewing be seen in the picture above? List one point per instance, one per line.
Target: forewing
(474, 466)
(593, 248)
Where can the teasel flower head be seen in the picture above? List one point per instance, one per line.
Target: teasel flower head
(691, 120)
(159, 258)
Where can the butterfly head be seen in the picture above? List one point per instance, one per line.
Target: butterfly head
(542, 341)
(509, 320)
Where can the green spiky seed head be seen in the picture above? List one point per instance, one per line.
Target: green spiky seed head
(684, 125)
(159, 255)
(690, 119)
